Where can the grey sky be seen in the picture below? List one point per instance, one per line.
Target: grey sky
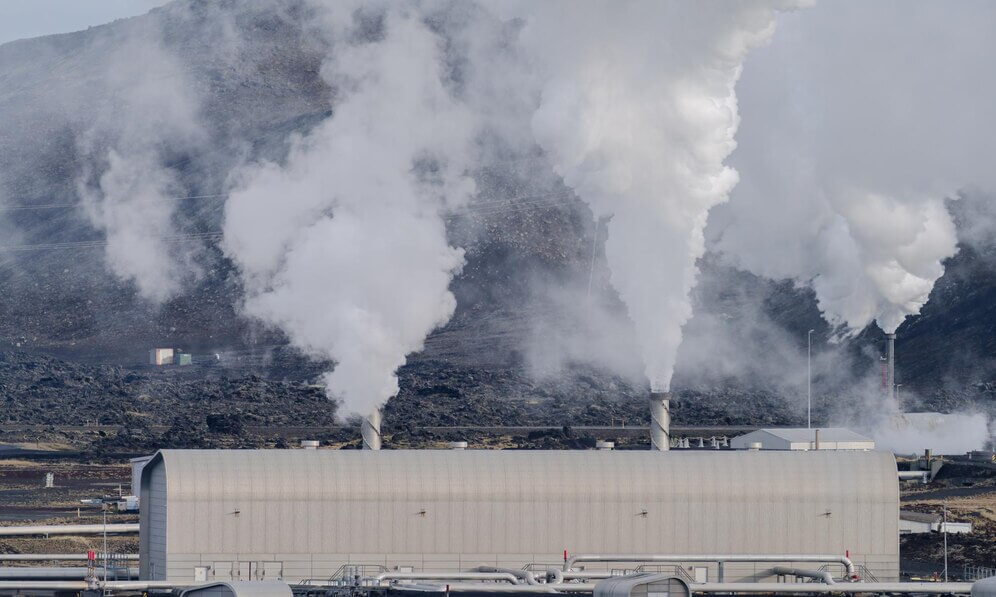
(31, 18)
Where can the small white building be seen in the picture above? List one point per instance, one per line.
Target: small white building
(161, 356)
(923, 522)
(825, 438)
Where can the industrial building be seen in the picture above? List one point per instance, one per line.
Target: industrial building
(826, 438)
(923, 522)
(219, 515)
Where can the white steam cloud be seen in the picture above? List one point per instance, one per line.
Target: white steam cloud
(126, 188)
(344, 246)
(853, 138)
(638, 114)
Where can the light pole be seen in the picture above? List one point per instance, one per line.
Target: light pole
(945, 523)
(809, 379)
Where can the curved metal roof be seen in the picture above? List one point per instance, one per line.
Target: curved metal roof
(520, 502)
(517, 475)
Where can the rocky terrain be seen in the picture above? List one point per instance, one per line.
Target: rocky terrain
(539, 335)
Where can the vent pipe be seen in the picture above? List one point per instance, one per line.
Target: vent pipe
(891, 375)
(370, 428)
(660, 420)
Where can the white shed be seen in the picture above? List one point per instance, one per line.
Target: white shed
(827, 438)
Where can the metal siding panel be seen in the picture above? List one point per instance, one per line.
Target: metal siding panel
(504, 505)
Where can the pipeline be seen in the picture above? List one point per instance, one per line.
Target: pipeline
(820, 575)
(937, 588)
(69, 529)
(65, 557)
(619, 557)
(505, 576)
(522, 575)
(61, 573)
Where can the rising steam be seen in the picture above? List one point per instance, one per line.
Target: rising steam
(638, 114)
(126, 186)
(344, 246)
(849, 150)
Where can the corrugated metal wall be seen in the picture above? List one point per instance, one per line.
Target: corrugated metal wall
(317, 510)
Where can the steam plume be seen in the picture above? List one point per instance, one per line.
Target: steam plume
(126, 188)
(848, 151)
(343, 246)
(638, 114)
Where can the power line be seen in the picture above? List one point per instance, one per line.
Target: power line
(46, 206)
(512, 205)
(88, 244)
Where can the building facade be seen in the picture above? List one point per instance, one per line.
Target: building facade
(828, 438)
(299, 514)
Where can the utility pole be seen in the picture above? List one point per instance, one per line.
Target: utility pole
(944, 507)
(809, 379)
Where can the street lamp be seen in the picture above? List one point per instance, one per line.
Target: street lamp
(809, 379)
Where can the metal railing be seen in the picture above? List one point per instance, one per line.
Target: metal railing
(977, 572)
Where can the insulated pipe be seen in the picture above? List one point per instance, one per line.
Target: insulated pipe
(68, 529)
(554, 576)
(820, 575)
(480, 587)
(631, 557)
(947, 588)
(522, 575)
(370, 429)
(65, 557)
(660, 421)
(447, 576)
(58, 573)
(892, 366)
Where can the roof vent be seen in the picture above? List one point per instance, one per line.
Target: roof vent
(309, 444)
(754, 446)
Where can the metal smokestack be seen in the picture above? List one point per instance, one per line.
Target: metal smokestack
(660, 420)
(370, 428)
(891, 376)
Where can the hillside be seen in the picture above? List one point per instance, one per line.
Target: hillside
(526, 319)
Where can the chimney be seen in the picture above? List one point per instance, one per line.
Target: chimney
(891, 381)
(370, 428)
(660, 420)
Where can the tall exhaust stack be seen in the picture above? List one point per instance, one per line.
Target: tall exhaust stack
(891, 377)
(370, 428)
(660, 420)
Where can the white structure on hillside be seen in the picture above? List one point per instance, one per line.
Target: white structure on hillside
(826, 438)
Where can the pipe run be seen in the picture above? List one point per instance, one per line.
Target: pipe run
(660, 421)
(623, 557)
(61, 573)
(523, 576)
(66, 557)
(945, 588)
(68, 529)
(820, 575)
(493, 576)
